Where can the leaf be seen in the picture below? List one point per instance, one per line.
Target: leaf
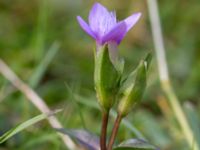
(43, 65)
(23, 126)
(135, 144)
(83, 137)
(193, 120)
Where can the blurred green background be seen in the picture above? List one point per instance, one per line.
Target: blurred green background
(43, 43)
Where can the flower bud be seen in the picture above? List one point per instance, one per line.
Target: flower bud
(133, 88)
(106, 78)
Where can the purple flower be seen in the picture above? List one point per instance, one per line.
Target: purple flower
(103, 25)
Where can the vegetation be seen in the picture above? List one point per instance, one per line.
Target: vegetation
(43, 44)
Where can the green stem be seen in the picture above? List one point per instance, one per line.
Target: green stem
(179, 114)
(164, 74)
(114, 131)
(105, 115)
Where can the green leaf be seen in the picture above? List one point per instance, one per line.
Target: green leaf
(43, 65)
(135, 144)
(23, 126)
(193, 120)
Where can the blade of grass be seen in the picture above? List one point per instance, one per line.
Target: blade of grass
(38, 42)
(39, 72)
(42, 67)
(194, 121)
(79, 109)
(35, 99)
(23, 126)
(164, 74)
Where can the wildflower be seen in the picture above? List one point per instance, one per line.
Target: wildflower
(103, 25)
(108, 33)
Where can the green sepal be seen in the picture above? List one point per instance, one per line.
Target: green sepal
(106, 78)
(133, 87)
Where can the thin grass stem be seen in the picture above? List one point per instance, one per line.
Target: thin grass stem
(164, 75)
(34, 98)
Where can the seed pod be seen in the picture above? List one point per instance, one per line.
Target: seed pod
(133, 88)
(106, 78)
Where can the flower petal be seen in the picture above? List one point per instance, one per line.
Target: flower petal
(116, 34)
(120, 30)
(101, 20)
(97, 13)
(85, 27)
(131, 20)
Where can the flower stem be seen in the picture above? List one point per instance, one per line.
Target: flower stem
(104, 129)
(114, 131)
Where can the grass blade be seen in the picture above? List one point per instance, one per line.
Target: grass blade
(42, 67)
(23, 126)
